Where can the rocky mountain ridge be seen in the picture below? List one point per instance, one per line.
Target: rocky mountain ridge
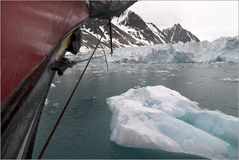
(130, 30)
(178, 34)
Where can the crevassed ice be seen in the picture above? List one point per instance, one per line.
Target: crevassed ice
(156, 117)
(221, 50)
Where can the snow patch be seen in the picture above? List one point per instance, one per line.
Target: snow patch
(156, 32)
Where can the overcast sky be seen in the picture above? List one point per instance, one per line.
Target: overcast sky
(208, 20)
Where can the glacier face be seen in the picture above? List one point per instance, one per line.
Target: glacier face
(156, 117)
(220, 50)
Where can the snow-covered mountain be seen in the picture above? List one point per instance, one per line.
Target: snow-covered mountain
(221, 50)
(92, 30)
(133, 24)
(178, 34)
(128, 30)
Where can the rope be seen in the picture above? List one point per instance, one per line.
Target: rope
(111, 44)
(67, 103)
(103, 50)
(88, 59)
(105, 57)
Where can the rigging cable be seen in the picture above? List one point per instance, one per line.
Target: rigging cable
(87, 59)
(105, 57)
(102, 48)
(111, 43)
(68, 101)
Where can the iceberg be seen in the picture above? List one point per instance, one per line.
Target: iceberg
(156, 117)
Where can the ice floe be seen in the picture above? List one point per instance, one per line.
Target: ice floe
(156, 117)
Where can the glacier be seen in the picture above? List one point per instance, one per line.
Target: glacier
(222, 50)
(156, 117)
(225, 49)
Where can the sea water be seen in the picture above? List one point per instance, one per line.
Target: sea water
(84, 131)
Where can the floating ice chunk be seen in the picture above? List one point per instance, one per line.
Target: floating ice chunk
(189, 83)
(53, 85)
(135, 87)
(58, 81)
(46, 102)
(56, 104)
(172, 75)
(156, 117)
(231, 80)
(162, 71)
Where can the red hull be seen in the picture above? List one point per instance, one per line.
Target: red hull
(30, 32)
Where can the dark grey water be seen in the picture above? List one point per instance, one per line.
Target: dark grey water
(84, 132)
